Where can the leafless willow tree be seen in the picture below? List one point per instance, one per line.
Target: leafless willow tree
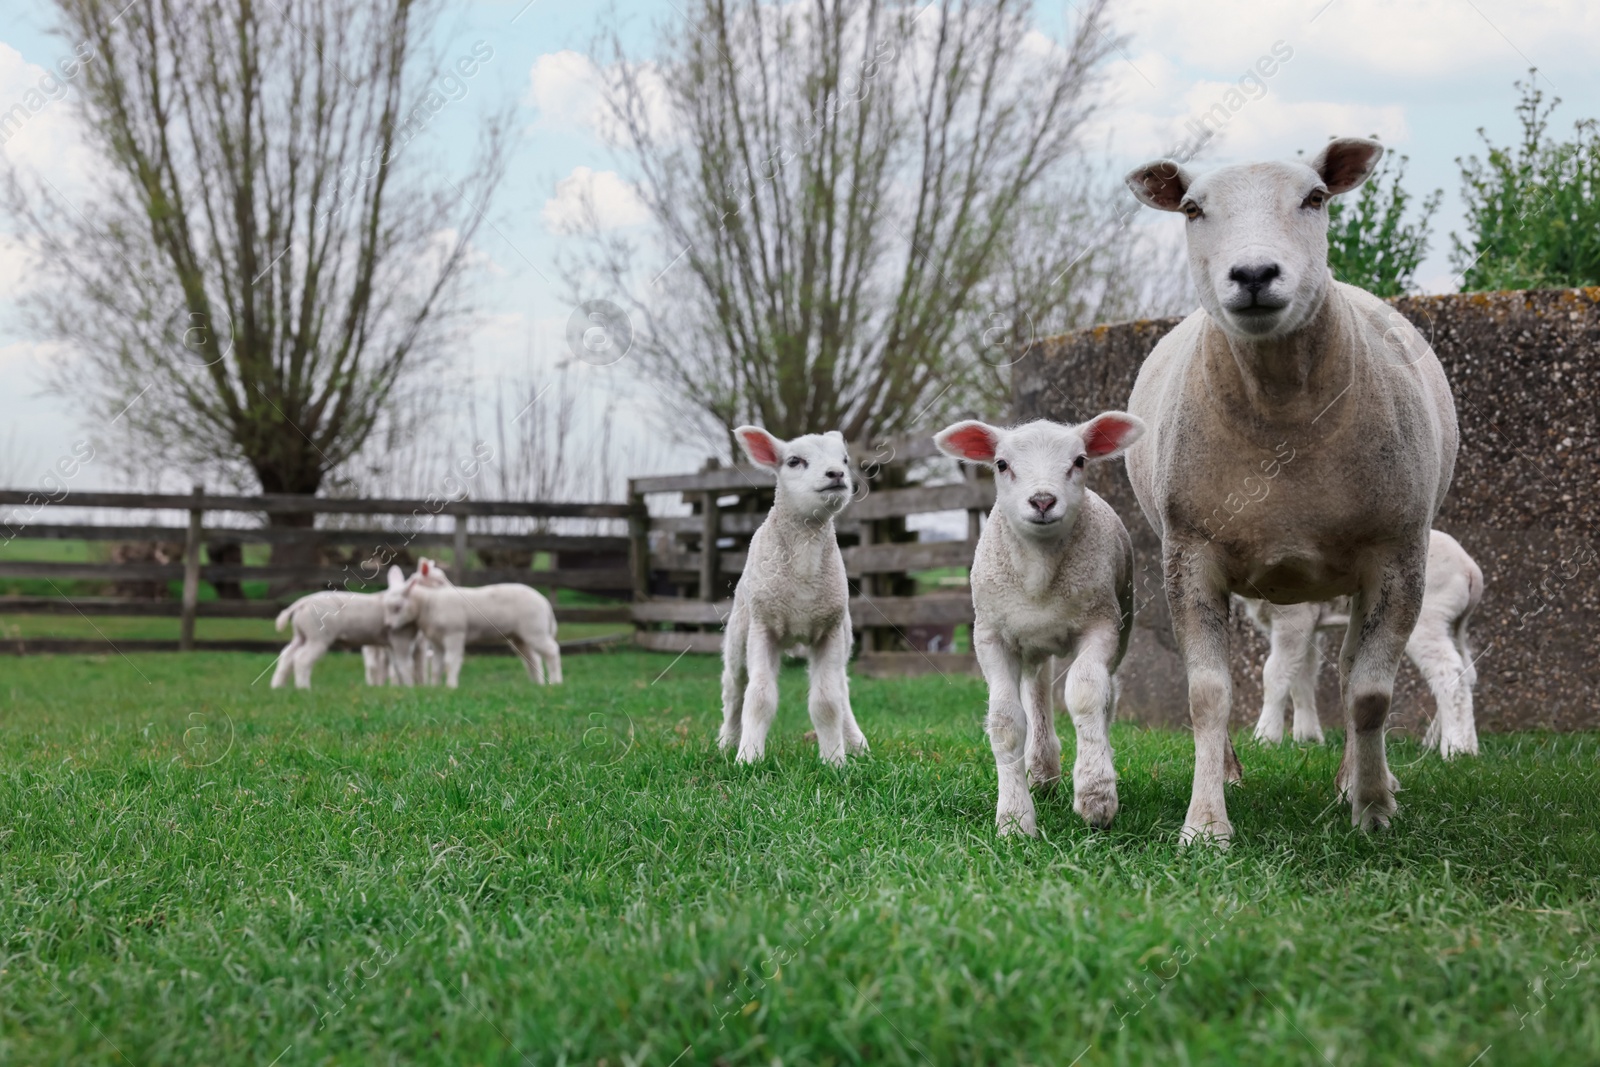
(863, 209)
(265, 258)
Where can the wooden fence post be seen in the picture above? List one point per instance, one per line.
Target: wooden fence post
(710, 530)
(460, 548)
(639, 545)
(191, 577)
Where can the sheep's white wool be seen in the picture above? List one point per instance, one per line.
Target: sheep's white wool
(449, 616)
(1052, 576)
(1438, 648)
(321, 619)
(1302, 438)
(793, 592)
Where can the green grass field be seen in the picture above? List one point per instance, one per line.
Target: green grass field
(198, 869)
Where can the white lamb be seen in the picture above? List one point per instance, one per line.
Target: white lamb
(321, 619)
(793, 592)
(450, 616)
(1438, 647)
(1052, 576)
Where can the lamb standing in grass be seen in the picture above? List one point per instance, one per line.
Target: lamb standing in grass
(793, 591)
(1283, 364)
(1438, 648)
(450, 616)
(321, 619)
(1052, 576)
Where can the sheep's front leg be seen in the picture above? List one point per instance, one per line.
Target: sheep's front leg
(830, 695)
(1008, 733)
(761, 695)
(1200, 621)
(1089, 702)
(1382, 614)
(1043, 749)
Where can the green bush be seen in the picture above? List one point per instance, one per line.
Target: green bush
(1369, 242)
(1533, 213)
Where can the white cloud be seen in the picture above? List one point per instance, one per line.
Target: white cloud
(565, 89)
(586, 194)
(40, 127)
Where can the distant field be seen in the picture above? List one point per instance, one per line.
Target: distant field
(198, 869)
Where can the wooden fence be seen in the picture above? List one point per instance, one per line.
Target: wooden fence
(685, 566)
(591, 563)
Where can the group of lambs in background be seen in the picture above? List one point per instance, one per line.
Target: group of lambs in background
(1281, 364)
(407, 630)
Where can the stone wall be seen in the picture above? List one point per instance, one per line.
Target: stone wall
(1525, 370)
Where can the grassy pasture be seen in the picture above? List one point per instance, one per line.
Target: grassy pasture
(195, 869)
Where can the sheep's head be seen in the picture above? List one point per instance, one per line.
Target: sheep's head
(813, 471)
(399, 606)
(1039, 467)
(1258, 232)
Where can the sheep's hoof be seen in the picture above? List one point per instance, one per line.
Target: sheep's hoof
(1217, 834)
(1265, 735)
(1308, 737)
(1376, 816)
(1452, 749)
(1016, 823)
(748, 754)
(1232, 769)
(1097, 805)
(1045, 779)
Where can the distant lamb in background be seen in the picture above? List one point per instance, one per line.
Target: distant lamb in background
(321, 619)
(1438, 647)
(1052, 576)
(793, 592)
(450, 616)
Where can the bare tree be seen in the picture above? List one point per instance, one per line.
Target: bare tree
(263, 262)
(836, 188)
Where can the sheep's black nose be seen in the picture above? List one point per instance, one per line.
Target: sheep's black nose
(1254, 278)
(1042, 502)
(836, 476)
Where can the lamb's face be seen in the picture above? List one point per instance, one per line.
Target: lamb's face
(1039, 468)
(1258, 233)
(813, 471)
(399, 610)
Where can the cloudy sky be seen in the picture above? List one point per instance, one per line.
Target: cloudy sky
(1423, 75)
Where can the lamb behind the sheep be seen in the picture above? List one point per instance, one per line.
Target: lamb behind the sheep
(793, 592)
(1438, 648)
(450, 616)
(321, 619)
(1052, 576)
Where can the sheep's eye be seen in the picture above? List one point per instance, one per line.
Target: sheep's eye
(1317, 198)
(1001, 465)
(1191, 210)
(1078, 463)
(796, 461)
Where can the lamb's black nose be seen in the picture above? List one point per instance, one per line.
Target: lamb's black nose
(835, 476)
(1042, 502)
(1254, 278)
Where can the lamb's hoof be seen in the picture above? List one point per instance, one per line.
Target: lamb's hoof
(857, 745)
(1308, 738)
(1217, 833)
(1097, 804)
(726, 740)
(1267, 736)
(833, 759)
(1016, 823)
(749, 754)
(1450, 749)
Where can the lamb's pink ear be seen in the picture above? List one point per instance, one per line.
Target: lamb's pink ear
(1346, 162)
(1110, 433)
(969, 440)
(763, 449)
(424, 569)
(1159, 184)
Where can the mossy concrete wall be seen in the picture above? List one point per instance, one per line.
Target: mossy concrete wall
(1525, 371)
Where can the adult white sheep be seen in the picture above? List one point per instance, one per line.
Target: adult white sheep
(1303, 436)
(1438, 648)
(320, 619)
(450, 616)
(1052, 576)
(793, 592)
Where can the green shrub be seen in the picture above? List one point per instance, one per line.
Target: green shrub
(1533, 213)
(1369, 242)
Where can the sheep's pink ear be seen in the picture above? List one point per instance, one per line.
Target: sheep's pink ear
(424, 568)
(1110, 433)
(1346, 162)
(1159, 184)
(970, 440)
(763, 449)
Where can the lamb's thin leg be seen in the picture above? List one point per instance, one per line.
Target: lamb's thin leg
(1089, 697)
(455, 651)
(1008, 731)
(306, 658)
(285, 667)
(1433, 650)
(1383, 613)
(1292, 634)
(733, 679)
(830, 694)
(761, 695)
(1303, 693)
(549, 650)
(530, 662)
(1200, 622)
(1043, 747)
